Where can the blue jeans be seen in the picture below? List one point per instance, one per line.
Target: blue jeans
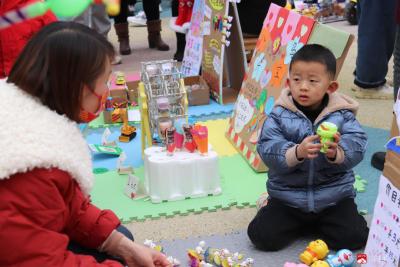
(376, 35)
(99, 256)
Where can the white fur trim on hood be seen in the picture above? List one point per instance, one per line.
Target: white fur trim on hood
(33, 136)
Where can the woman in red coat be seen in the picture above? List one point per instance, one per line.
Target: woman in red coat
(59, 79)
(13, 39)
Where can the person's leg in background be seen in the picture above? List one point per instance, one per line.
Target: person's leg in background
(121, 28)
(376, 30)
(378, 158)
(396, 59)
(152, 12)
(100, 20)
(180, 37)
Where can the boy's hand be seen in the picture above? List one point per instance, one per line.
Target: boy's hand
(308, 149)
(332, 147)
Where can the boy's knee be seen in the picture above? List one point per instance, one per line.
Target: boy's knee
(355, 239)
(264, 238)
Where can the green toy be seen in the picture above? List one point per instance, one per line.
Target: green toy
(326, 132)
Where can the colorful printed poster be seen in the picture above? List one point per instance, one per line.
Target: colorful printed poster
(213, 47)
(194, 41)
(383, 245)
(283, 33)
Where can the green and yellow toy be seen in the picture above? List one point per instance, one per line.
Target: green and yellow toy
(326, 132)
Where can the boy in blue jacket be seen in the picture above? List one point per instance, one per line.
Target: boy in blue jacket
(309, 189)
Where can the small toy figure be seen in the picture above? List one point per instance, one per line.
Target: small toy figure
(316, 250)
(292, 264)
(208, 257)
(123, 169)
(169, 140)
(326, 131)
(127, 132)
(120, 80)
(189, 144)
(149, 243)
(320, 264)
(343, 258)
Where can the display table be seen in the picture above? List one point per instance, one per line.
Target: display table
(182, 175)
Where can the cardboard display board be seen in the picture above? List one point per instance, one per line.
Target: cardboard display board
(383, 245)
(194, 41)
(283, 33)
(223, 62)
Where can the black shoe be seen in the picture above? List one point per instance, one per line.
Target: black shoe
(178, 56)
(378, 160)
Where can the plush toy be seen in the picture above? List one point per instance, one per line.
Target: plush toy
(316, 250)
(292, 264)
(343, 258)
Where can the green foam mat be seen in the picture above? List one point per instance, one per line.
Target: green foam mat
(240, 185)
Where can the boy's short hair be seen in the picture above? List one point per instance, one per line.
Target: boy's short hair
(316, 53)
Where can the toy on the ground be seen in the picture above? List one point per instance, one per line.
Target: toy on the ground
(127, 132)
(320, 264)
(326, 132)
(208, 257)
(120, 167)
(316, 250)
(149, 243)
(343, 258)
(104, 138)
(292, 264)
(61, 8)
(120, 79)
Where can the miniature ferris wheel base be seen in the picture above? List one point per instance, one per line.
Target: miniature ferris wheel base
(182, 175)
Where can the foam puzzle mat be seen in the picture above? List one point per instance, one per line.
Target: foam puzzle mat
(240, 185)
(235, 176)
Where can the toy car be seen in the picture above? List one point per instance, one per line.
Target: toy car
(120, 80)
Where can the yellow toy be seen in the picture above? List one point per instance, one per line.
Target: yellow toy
(316, 250)
(127, 132)
(320, 264)
(120, 80)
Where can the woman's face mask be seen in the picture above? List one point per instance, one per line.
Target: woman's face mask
(87, 116)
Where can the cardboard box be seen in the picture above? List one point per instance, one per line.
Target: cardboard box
(199, 96)
(391, 169)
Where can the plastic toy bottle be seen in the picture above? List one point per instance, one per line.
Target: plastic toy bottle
(179, 136)
(169, 140)
(190, 145)
(343, 258)
(326, 131)
(316, 250)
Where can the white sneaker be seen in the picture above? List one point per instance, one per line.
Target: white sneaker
(139, 20)
(382, 92)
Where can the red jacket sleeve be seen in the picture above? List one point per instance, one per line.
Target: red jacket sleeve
(88, 225)
(35, 209)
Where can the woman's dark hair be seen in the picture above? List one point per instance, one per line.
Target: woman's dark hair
(58, 61)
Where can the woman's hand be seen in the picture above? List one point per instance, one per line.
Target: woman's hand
(136, 255)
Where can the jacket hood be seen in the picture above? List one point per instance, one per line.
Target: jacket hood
(337, 101)
(33, 136)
